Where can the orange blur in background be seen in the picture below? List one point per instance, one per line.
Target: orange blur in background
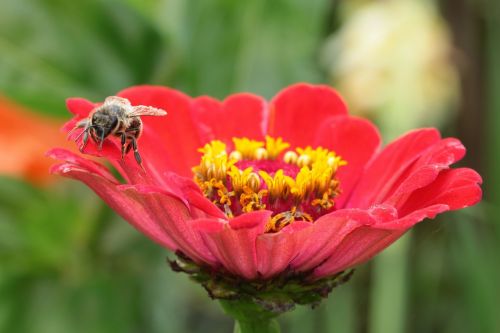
(24, 138)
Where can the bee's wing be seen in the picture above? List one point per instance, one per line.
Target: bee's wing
(142, 110)
(116, 100)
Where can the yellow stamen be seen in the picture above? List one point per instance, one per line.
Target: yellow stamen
(253, 182)
(304, 160)
(247, 147)
(278, 186)
(275, 146)
(310, 192)
(260, 154)
(236, 155)
(290, 157)
(281, 220)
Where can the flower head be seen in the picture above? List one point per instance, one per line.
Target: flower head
(288, 191)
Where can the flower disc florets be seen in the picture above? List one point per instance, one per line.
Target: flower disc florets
(298, 184)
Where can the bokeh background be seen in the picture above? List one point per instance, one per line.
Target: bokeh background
(69, 264)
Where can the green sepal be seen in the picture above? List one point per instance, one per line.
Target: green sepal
(275, 295)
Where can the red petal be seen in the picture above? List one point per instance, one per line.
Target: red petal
(126, 206)
(275, 252)
(364, 243)
(456, 188)
(240, 115)
(356, 140)
(168, 142)
(174, 217)
(297, 112)
(154, 211)
(385, 170)
(321, 239)
(185, 188)
(360, 243)
(453, 189)
(426, 169)
(91, 166)
(80, 106)
(235, 247)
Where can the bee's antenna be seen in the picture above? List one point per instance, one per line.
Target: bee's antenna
(71, 132)
(80, 124)
(83, 132)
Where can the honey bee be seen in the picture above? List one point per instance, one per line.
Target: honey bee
(117, 117)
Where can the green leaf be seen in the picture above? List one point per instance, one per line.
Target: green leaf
(54, 49)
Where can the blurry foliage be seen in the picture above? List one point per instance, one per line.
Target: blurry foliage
(52, 49)
(68, 264)
(390, 71)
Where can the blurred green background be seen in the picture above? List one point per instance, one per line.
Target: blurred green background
(69, 264)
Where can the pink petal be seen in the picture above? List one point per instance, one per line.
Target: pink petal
(92, 167)
(275, 252)
(364, 243)
(453, 189)
(174, 217)
(425, 170)
(154, 211)
(126, 206)
(385, 170)
(80, 106)
(234, 243)
(239, 115)
(356, 140)
(324, 236)
(358, 244)
(456, 188)
(297, 112)
(185, 188)
(168, 142)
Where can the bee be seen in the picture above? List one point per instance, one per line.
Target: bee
(117, 117)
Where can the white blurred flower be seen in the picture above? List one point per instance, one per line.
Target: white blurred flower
(392, 61)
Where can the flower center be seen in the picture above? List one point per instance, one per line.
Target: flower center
(297, 185)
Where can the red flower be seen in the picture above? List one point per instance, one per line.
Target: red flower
(350, 202)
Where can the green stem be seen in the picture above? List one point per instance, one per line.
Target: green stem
(267, 326)
(250, 317)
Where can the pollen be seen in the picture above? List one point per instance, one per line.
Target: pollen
(297, 185)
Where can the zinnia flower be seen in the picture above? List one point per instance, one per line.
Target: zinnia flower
(288, 192)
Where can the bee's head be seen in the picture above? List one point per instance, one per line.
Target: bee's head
(103, 123)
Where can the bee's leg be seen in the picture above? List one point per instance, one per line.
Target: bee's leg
(94, 136)
(136, 151)
(81, 124)
(123, 141)
(87, 128)
(101, 140)
(131, 133)
(129, 147)
(85, 139)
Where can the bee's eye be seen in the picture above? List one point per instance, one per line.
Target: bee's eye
(96, 118)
